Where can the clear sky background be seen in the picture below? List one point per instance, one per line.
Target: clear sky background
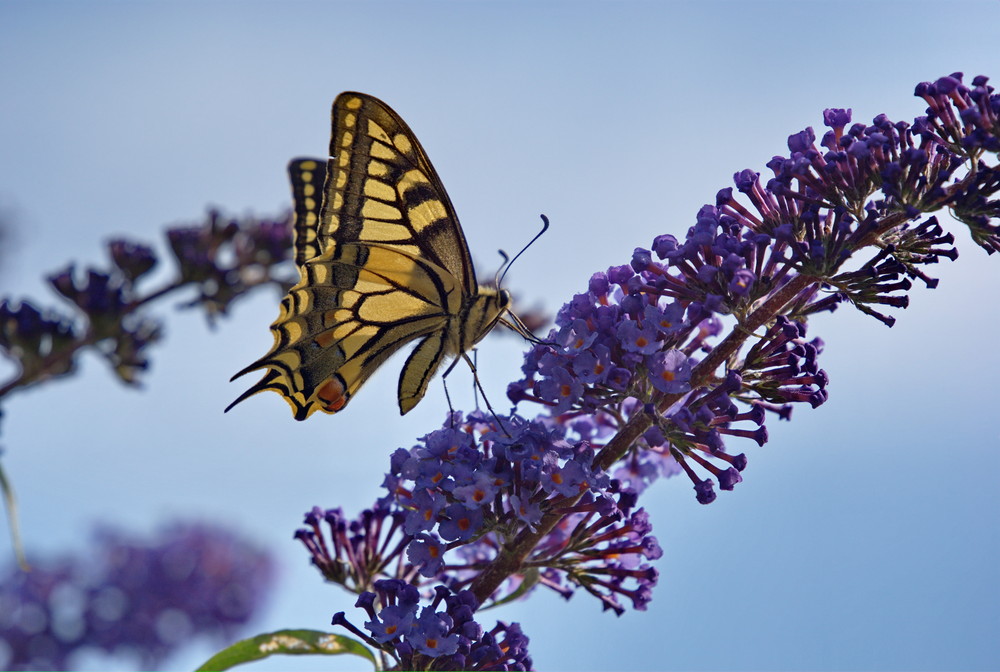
(866, 533)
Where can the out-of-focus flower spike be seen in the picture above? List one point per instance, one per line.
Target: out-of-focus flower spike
(132, 259)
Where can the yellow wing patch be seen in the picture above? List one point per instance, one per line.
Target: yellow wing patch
(382, 263)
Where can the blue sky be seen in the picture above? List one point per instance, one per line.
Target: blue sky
(865, 534)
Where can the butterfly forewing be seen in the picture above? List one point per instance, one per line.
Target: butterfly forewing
(383, 189)
(382, 263)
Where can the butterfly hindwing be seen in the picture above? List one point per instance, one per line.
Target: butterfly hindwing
(419, 369)
(382, 263)
(307, 177)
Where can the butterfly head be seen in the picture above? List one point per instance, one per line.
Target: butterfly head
(501, 302)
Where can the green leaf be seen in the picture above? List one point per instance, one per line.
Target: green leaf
(290, 642)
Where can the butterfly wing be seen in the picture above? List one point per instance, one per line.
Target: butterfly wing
(384, 263)
(307, 177)
(383, 189)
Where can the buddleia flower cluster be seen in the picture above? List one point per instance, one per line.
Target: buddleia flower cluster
(474, 486)
(221, 260)
(840, 222)
(134, 599)
(422, 638)
(663, 365)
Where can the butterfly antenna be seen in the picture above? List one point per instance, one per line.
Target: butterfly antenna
(506, 260)
(545, 227)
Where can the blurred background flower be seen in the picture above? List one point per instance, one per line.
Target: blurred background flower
(138, 600)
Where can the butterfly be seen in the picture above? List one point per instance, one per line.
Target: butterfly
(382, 263)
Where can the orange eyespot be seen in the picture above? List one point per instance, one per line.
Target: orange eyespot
(331, 393)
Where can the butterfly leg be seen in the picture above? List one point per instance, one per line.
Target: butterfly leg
(475, 377)
(475, 388)
(451, 409)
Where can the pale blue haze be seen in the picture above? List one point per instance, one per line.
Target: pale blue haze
(866, 534)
